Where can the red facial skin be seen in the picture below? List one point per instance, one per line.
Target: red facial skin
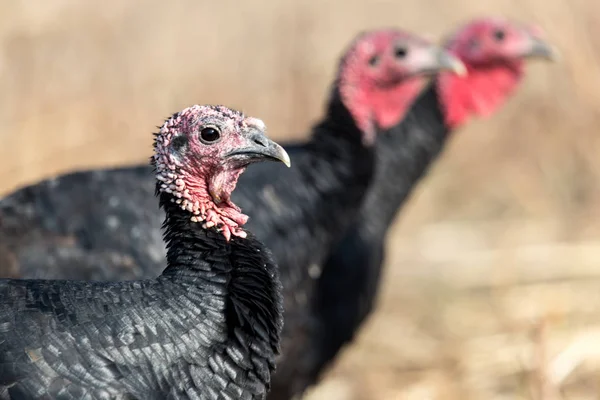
(196, 171)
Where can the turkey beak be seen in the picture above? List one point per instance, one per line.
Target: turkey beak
(450, 63)
(542, 49)
(431, 59)
(538, 47)
(259, 147)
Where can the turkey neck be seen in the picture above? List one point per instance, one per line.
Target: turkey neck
(338, 141)
(339, 163)
(193, 252)
(334, 170)
(404, 154)
(237, 274)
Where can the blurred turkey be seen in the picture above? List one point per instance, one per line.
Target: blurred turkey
(494, 52)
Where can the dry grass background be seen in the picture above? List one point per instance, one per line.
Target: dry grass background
(492, 289)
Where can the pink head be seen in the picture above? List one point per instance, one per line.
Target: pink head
(494, 51)
(200, 153)
(382, 73)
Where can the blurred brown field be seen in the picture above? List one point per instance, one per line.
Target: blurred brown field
(492, 289)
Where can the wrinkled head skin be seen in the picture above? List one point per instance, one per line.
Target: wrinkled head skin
(494, 51)
(200, 153)
(382, 73)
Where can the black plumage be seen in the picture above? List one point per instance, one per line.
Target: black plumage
(207, 328)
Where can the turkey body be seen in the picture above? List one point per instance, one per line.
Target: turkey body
(207, 328)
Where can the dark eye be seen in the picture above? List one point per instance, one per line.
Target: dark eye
(373, 61)
(499, 35)
(400, 52)
(209, 135)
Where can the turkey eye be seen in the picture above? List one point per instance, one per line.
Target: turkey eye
(373, 61)
(499, 35)
(209, 135)
(400, 52)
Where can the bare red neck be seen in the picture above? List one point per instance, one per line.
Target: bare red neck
(480, 93)
(382, 106)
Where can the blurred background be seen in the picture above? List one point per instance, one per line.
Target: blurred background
(492, 288)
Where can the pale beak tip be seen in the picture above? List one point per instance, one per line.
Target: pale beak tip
(460, 69)
(451, 63)
(285, 158)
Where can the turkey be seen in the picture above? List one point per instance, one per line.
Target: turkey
(494, 52)
(101, 225)
(207, 328)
